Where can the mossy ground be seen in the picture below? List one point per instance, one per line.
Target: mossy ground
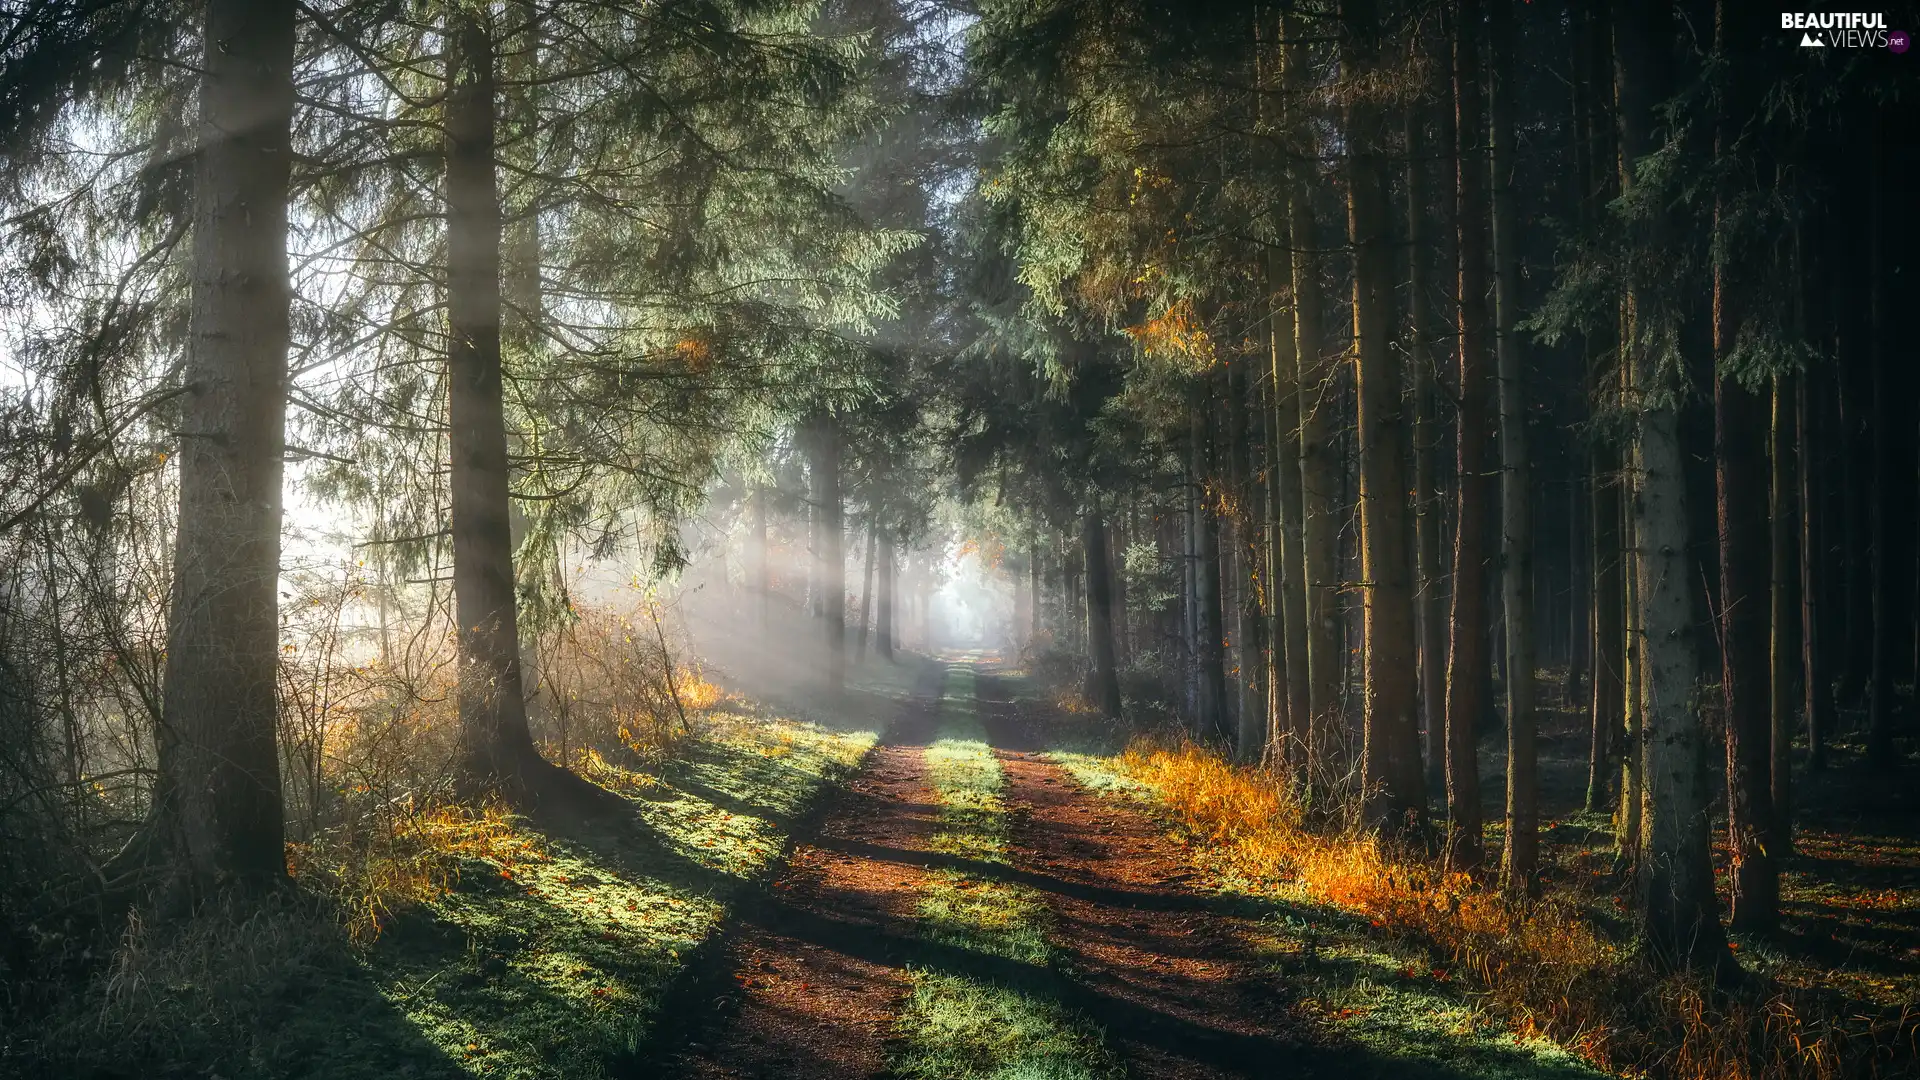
(549, 957)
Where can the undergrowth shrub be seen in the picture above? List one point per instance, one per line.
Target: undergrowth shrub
(1544, 966)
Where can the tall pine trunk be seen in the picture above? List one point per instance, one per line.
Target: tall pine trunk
(1880, 631)
(1391, 772)
(883, 641)
(1104, 675)
(1244, 546)
(217, 804)
(1317, 404)
(866, 591)
(1211, 719)
(1290, 705)
(1679, 920)
(1784, 641)
(1739, 456)
(1522, 854)
(1467, 659)
(1429, 611)
(498, 748)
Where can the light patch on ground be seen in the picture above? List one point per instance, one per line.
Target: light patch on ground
(954, 1025)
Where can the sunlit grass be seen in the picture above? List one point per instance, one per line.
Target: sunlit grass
(1542, 973)
(555, 961)
(954, 1025)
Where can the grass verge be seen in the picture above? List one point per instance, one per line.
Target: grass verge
(954, 1024)
(504, 947)
(1372, 926)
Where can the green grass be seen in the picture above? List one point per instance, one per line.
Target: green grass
(955, 1025)
(556, 967)
(551, 962)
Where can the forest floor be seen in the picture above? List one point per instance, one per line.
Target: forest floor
(1850, 888)
(945, 874)
(986, 898)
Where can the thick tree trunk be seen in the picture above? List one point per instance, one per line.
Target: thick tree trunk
(1522, 856)
(1467, 659)
(1317, 403)
(1739, 445)
(1391, 774)
(1103, 684)
(1680, 922)
(217, 804)
(498, 747)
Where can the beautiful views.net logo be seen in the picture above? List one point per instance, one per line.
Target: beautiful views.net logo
(1843, 29)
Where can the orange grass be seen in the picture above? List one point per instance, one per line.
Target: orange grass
(1544, 967)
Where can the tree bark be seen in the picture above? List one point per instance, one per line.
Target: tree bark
(1291, 706)
(1244, 545)
(1522, 856)
(1319, 466)
(762, 579)
(1679, 919)
(1391, 775)
(1813, 674)
(1103, 687)
(883, 641)
(833, 559)
(1467, 658)
(1211, 716)
(217, 801)
(1784, 663)
(498, 746)
(1739, 444)
(866, 590)
(1429, 612)
(1880, 641)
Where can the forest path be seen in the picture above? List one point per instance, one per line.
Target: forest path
(1141, 973)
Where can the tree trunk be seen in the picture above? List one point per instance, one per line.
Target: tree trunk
(762, 579)
(1814, 619)
(1103, 684)
(883, 618)
(217, 801)
(1680, 922)
(833, 560)
(1117, 542)
(1288, 665)
(866, 590)
(1244, 545)
(498, 747)
(1211, 717)
(1522, 856)
(1033, 586)
(1319, 465)
(1467, 659)
(1784, 663)
(1430, 613)
(1739, 445)
(1880, 642)
(1391, 773)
